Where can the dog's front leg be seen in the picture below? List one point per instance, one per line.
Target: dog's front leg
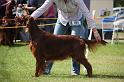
(37, 67)
(40, 65)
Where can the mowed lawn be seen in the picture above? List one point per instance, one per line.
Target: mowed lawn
(18, 65)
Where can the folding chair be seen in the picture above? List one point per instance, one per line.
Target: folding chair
(118, 26)
(107, 26)
(112, 24)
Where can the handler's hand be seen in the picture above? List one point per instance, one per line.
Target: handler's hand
(96, 35)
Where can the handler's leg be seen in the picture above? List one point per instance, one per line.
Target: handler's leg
(59, 30)
(75, 64)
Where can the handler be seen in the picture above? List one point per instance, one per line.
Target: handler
(71, 13)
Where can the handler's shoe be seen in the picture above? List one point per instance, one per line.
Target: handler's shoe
(45, 73)
(74, 74)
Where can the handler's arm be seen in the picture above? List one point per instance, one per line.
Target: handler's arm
(37, 13)
(90, 20)
(86, 14)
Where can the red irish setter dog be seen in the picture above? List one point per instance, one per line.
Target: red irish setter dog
(46, 46)
(7, 35)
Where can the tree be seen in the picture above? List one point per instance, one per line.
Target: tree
(118, 3)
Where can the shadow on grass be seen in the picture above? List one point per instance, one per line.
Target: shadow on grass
(58, 76)
(109, 76)
(19, 44)
(16, 45)
(84, 76)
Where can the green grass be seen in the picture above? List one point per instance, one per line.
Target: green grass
(18, 65)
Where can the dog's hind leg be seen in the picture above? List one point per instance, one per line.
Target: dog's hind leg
(87, 65)
(79, 57)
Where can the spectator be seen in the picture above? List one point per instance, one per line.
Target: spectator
(2, 8)
(21, 2)
(20, 11)
(9, 13)
(9, 7)
(20, 7)
(102, 11)
(31, 5)
(50, 13)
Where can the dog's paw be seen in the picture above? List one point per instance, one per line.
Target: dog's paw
(90, 76)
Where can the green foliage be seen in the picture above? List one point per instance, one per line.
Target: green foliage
(17, 64)
(118, 3)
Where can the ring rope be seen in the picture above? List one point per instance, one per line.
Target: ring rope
(42, 25)
(36, 19)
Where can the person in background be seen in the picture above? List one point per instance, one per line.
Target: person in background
(2, 9)
(31, 5)
(71, 13)
(20, 12)
(50, 13)
(21, 2)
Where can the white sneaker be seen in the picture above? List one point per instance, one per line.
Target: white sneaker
(74, 74)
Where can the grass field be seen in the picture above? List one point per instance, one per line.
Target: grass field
(18, 65)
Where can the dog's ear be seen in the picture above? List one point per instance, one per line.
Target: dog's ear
(24, 19)
(28, 20)
(28, 17)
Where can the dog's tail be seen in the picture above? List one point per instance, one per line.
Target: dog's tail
(93, 44)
